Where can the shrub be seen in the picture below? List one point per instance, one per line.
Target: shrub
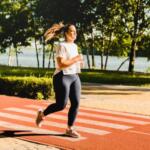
(39, 96)
(26, 86)
(115, 78)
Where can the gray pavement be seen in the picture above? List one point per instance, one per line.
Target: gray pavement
(131, 99)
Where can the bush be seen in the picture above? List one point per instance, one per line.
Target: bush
(26, 86)
(108, 77)
(37, 83)
(24, 71)
(39, 96)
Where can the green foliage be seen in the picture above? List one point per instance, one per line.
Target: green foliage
(121, 45)
(16, 23)
(67, 11)
(23, 71)
(144, 46)
(103, 25)
(31, 87)
(113, 77)
(37, 83)
(39, 96)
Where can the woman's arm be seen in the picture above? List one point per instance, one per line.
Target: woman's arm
(63, 63)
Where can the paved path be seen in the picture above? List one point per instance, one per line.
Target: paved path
(106, 123)
(117, 97)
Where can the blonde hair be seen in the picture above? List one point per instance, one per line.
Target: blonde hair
(56, 29)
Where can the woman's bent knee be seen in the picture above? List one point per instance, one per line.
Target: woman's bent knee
(61, 107)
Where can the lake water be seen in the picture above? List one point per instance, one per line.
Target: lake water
(28, 59)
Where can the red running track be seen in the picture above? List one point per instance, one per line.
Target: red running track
(100, 129)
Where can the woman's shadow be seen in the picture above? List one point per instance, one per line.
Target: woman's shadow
(21, 133)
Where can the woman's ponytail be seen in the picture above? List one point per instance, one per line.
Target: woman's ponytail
(53, 31)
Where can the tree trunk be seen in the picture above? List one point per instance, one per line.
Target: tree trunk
(107, 51)
(102, 56)
(49, 59)
(43, 43)
(92, 47)
(9, 57)
(132, 57)
(87, 53)
(134, 37)
(122, 64)
(50, 55)
(102, 53)
(37, 54)
(88, 58)
(53, 58)
(106, 60)
(17, 61)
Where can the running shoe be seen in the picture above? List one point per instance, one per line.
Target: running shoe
(39, 118)
(72, 133)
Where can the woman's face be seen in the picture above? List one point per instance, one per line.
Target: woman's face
(71, 34)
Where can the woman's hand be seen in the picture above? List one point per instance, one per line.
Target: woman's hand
(63, 63)
(79, 57)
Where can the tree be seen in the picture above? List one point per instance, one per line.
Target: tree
(14, 24)
(135, 16)
(108, 26)
(87, 22)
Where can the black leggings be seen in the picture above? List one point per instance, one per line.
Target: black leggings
(66, 87)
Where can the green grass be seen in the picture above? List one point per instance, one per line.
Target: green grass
(25, 71)
(115, 78)
(93, 76)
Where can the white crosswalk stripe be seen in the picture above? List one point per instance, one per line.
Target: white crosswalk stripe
(102, 111)
(117, 113)
(88, 121)
(15, 126)
(115, 118)
(132, 121)
(95, 123)
(51, 123)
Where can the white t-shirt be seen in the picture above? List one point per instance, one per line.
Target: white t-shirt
(67, 51)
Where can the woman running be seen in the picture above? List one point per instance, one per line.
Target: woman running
(66, 81)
